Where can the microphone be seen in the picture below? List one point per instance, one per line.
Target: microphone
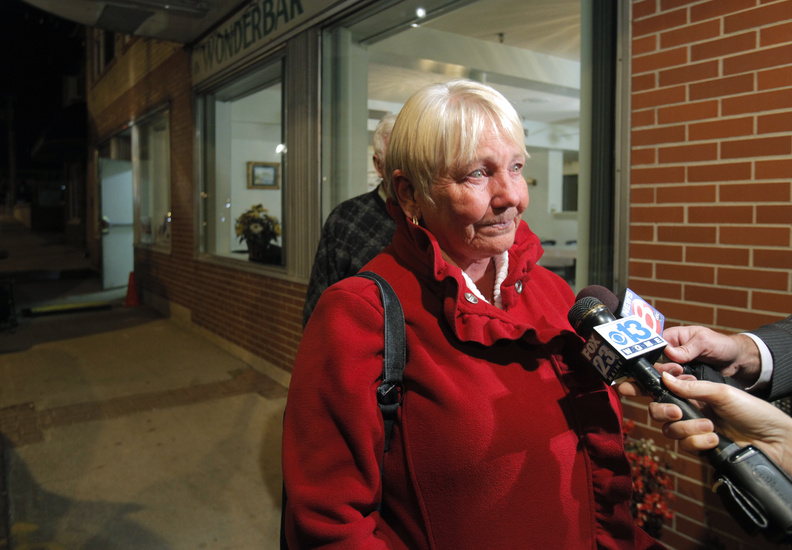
(755, 491)
(628, 303)
(623, 349)
(632, 304)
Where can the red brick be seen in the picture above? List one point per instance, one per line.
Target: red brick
(641, 232)
(686, 194)
(656, 136)
(659, 60)
(688, 153)
(719, 172)
(755, 192)
(758, 17)
(659, 23)
(668, 5)
(687, 112)
(641, 195)
(718, 129)
(774, 169)
(689, 73)
(754, 235)
(753, 278)
(683, 312)
(716, 295)
(723, 47)
(722, 87)
(636, 411)
(685, 273)
(646, 81)
(690, 34)
(772, 301)
(643, 8)
(657, 289)
(777, 34)
(776, 213)
(779, 77)
(644, 44)
(756, 147)
(658, 252)
(718, 255)
(757, 103)
(653, 214)
(641, 269)
(654, 98)
(665, 174)
(686, 234)
(642, 156)
(776, 122)
(744, 320)
(718, 8)
(781, 259)
(762, 59)
(720, 214)
(642, 118)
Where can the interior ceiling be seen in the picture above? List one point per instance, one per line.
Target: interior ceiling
(547, 26)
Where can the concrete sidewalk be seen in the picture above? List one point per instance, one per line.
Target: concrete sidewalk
(123, 430)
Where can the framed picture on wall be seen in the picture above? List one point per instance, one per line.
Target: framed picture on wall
(263, 175)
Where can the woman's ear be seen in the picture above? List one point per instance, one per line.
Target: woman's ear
(406, 194)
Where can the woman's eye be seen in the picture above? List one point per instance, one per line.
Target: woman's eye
(476, 174)
(517, 168)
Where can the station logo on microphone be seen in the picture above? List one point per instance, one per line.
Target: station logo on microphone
(611, 345)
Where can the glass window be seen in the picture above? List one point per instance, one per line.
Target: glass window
(529, 50)
(244, 154)
(151, 139)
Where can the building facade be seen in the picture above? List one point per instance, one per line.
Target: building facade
(661, 159)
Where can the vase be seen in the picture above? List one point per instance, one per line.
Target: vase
(257, 250)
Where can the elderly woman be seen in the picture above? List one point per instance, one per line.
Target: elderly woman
(505, 438)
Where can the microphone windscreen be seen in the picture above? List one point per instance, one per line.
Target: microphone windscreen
(604, 295)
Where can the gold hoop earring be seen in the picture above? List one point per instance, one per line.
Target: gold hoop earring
(415, 219)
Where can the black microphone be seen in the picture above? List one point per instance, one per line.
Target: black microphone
(755, 491)
(588, 313)
(630, 303)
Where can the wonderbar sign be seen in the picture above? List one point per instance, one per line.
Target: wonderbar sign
(261, 22)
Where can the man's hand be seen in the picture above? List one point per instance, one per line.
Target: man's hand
(736, 356)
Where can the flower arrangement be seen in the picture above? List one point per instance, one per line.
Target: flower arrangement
(256, 225)
(652, 485)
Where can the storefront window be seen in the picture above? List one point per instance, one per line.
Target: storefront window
(528, 50)
(152, 151)
(244, 153)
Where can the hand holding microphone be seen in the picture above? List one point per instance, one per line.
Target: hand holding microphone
(756, 492)
(744, 418)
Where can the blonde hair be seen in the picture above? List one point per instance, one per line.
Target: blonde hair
(439, 129)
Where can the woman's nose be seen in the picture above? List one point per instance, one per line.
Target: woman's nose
(509, 190)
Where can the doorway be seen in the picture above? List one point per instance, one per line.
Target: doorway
(117, 212)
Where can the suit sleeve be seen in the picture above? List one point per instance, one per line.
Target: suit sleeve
(778, 338)
(333, 435)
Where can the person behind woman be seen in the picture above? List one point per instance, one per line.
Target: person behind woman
(505, 438)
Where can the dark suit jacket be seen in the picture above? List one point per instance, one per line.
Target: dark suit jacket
(778, 337)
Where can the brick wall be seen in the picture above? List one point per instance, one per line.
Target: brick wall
(711, 192)
(260, 314)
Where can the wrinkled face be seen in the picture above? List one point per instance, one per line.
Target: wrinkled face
(477, 207)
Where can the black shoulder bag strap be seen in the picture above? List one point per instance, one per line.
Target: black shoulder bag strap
(390, 390)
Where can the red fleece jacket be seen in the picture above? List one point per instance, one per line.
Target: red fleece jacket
(505, 438)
